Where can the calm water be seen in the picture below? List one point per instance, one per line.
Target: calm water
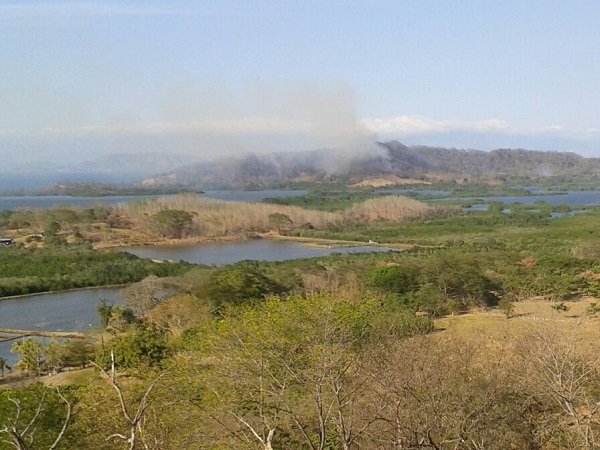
(587, 198)
(12, 203)
(231, 252)
(71, 311)
(76, 310)
(67, 311)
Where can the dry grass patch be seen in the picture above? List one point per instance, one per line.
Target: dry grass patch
(219, 218)
(72, 377)
(496, 331)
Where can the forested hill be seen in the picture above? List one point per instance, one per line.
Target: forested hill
(387, 159)
(520, 162)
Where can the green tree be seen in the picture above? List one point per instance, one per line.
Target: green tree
(104, 312)
(54, 353)
(290, 372)
(3, 365)
(141, 347)
(172, 223)
(65, 217)
(21, 219)
(560, 307)
(78, 352)
(459, 279)
(51, 233)
(34, 417)
(236, 285)
(431, 299)
(121, 317)
(31, 355)
(395, 279)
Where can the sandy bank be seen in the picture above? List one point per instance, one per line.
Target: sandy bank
(308, 241)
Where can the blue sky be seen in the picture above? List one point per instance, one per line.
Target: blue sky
(210, 78)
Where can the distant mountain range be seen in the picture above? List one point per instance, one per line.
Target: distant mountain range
(388, 159)
(114, 168)
(391, 161)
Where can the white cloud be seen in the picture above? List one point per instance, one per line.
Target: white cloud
(550, 130)
(414, 125)
(309, 126)
(484, 134)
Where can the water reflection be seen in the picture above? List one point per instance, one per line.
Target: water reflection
(231, 252)
(66, 311)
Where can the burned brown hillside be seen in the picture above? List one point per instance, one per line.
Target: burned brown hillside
(385, 159)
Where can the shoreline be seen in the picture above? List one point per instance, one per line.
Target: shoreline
(198, 240)
(8, 333)
(87, 288)
(306, 241)
(319, 242)
(184, 241)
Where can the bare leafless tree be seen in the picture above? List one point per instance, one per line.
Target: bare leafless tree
(439, 392)
(21, 436)
(561, 378)
(134, 416)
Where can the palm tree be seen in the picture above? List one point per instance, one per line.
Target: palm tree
(31, 355)
(3, 365)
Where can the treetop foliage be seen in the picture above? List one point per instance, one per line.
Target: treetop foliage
(30, 270)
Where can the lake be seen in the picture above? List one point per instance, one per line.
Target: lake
(64, 311)
(13, 203)
(584, 198)
(231, 252)
(76, 310)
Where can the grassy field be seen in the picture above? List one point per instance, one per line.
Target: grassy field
(494, 330)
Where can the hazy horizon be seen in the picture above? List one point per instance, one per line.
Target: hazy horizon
(86, 79)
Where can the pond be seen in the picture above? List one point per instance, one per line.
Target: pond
(63, 311)
(76, 310)
(231, 252)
